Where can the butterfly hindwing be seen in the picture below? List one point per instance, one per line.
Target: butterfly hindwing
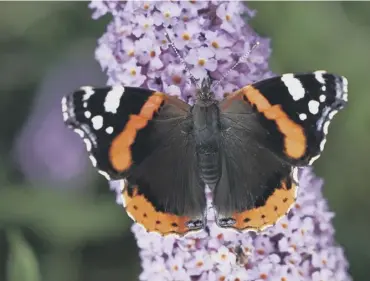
(143, 136)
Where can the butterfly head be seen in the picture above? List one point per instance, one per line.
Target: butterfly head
(204, 94)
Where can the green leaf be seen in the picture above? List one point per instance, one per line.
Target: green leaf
(61, 216)
(22, 263)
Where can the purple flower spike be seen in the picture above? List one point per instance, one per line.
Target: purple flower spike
(212, 36)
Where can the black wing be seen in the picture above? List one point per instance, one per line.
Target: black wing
(295, 111)
(143, 136)
(268, 128)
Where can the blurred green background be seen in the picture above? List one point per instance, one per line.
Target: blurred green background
(58, 218)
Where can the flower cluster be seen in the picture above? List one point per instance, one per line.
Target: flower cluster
(212, 36)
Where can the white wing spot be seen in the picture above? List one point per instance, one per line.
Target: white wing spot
(345, 88)
(87, 143)
(105, 174)
(112, 100)
(295, 174)
(332, 114)
(313, 159)
(65, 116)
(89, 91)
(319, 77)
(322, 98)
(345, 84)
(87, 114)
(345, 97)
(313, 106)
(325, 127)
(64, 104)
(84, 104)
(79, 132)
(109, 130)
(303, 116)
(322, 144)
(97, 122)
(323, 88)
(294, 86)
(93, 160)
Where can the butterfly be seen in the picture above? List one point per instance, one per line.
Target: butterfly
(246, 148)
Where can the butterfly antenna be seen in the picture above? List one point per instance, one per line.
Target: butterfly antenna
(183, 61)
(240, 60)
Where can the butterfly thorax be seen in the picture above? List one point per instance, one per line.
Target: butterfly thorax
(206, 130)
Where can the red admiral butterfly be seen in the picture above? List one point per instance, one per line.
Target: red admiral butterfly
(246, 148)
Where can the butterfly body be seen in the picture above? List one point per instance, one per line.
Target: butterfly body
(206, 131)
(246, 148)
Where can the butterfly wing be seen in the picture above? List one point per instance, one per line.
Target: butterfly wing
(144, 137)
(256, 187)
(273, 125)
(295, 111)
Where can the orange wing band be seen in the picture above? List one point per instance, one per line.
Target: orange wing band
(294, 137)
(276, 206)
(120, 150)
(144, 213)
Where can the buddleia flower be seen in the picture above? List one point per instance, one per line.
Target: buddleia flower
(212, 36)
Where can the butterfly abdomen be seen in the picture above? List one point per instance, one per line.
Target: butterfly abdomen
(209, 168)
(206, 132)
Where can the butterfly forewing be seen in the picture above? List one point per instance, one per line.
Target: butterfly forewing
(295, 111)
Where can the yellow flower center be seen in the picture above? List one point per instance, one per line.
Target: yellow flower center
(146, 25)
(201, 62)
(131, 53)
(176, 79)
(263, 276)
(133, 71)
(167, 14)
(260, 252)
(228, 17)
(186, 36)
(199, 264)
(146, 6)
(215, 45)
(152, 54)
